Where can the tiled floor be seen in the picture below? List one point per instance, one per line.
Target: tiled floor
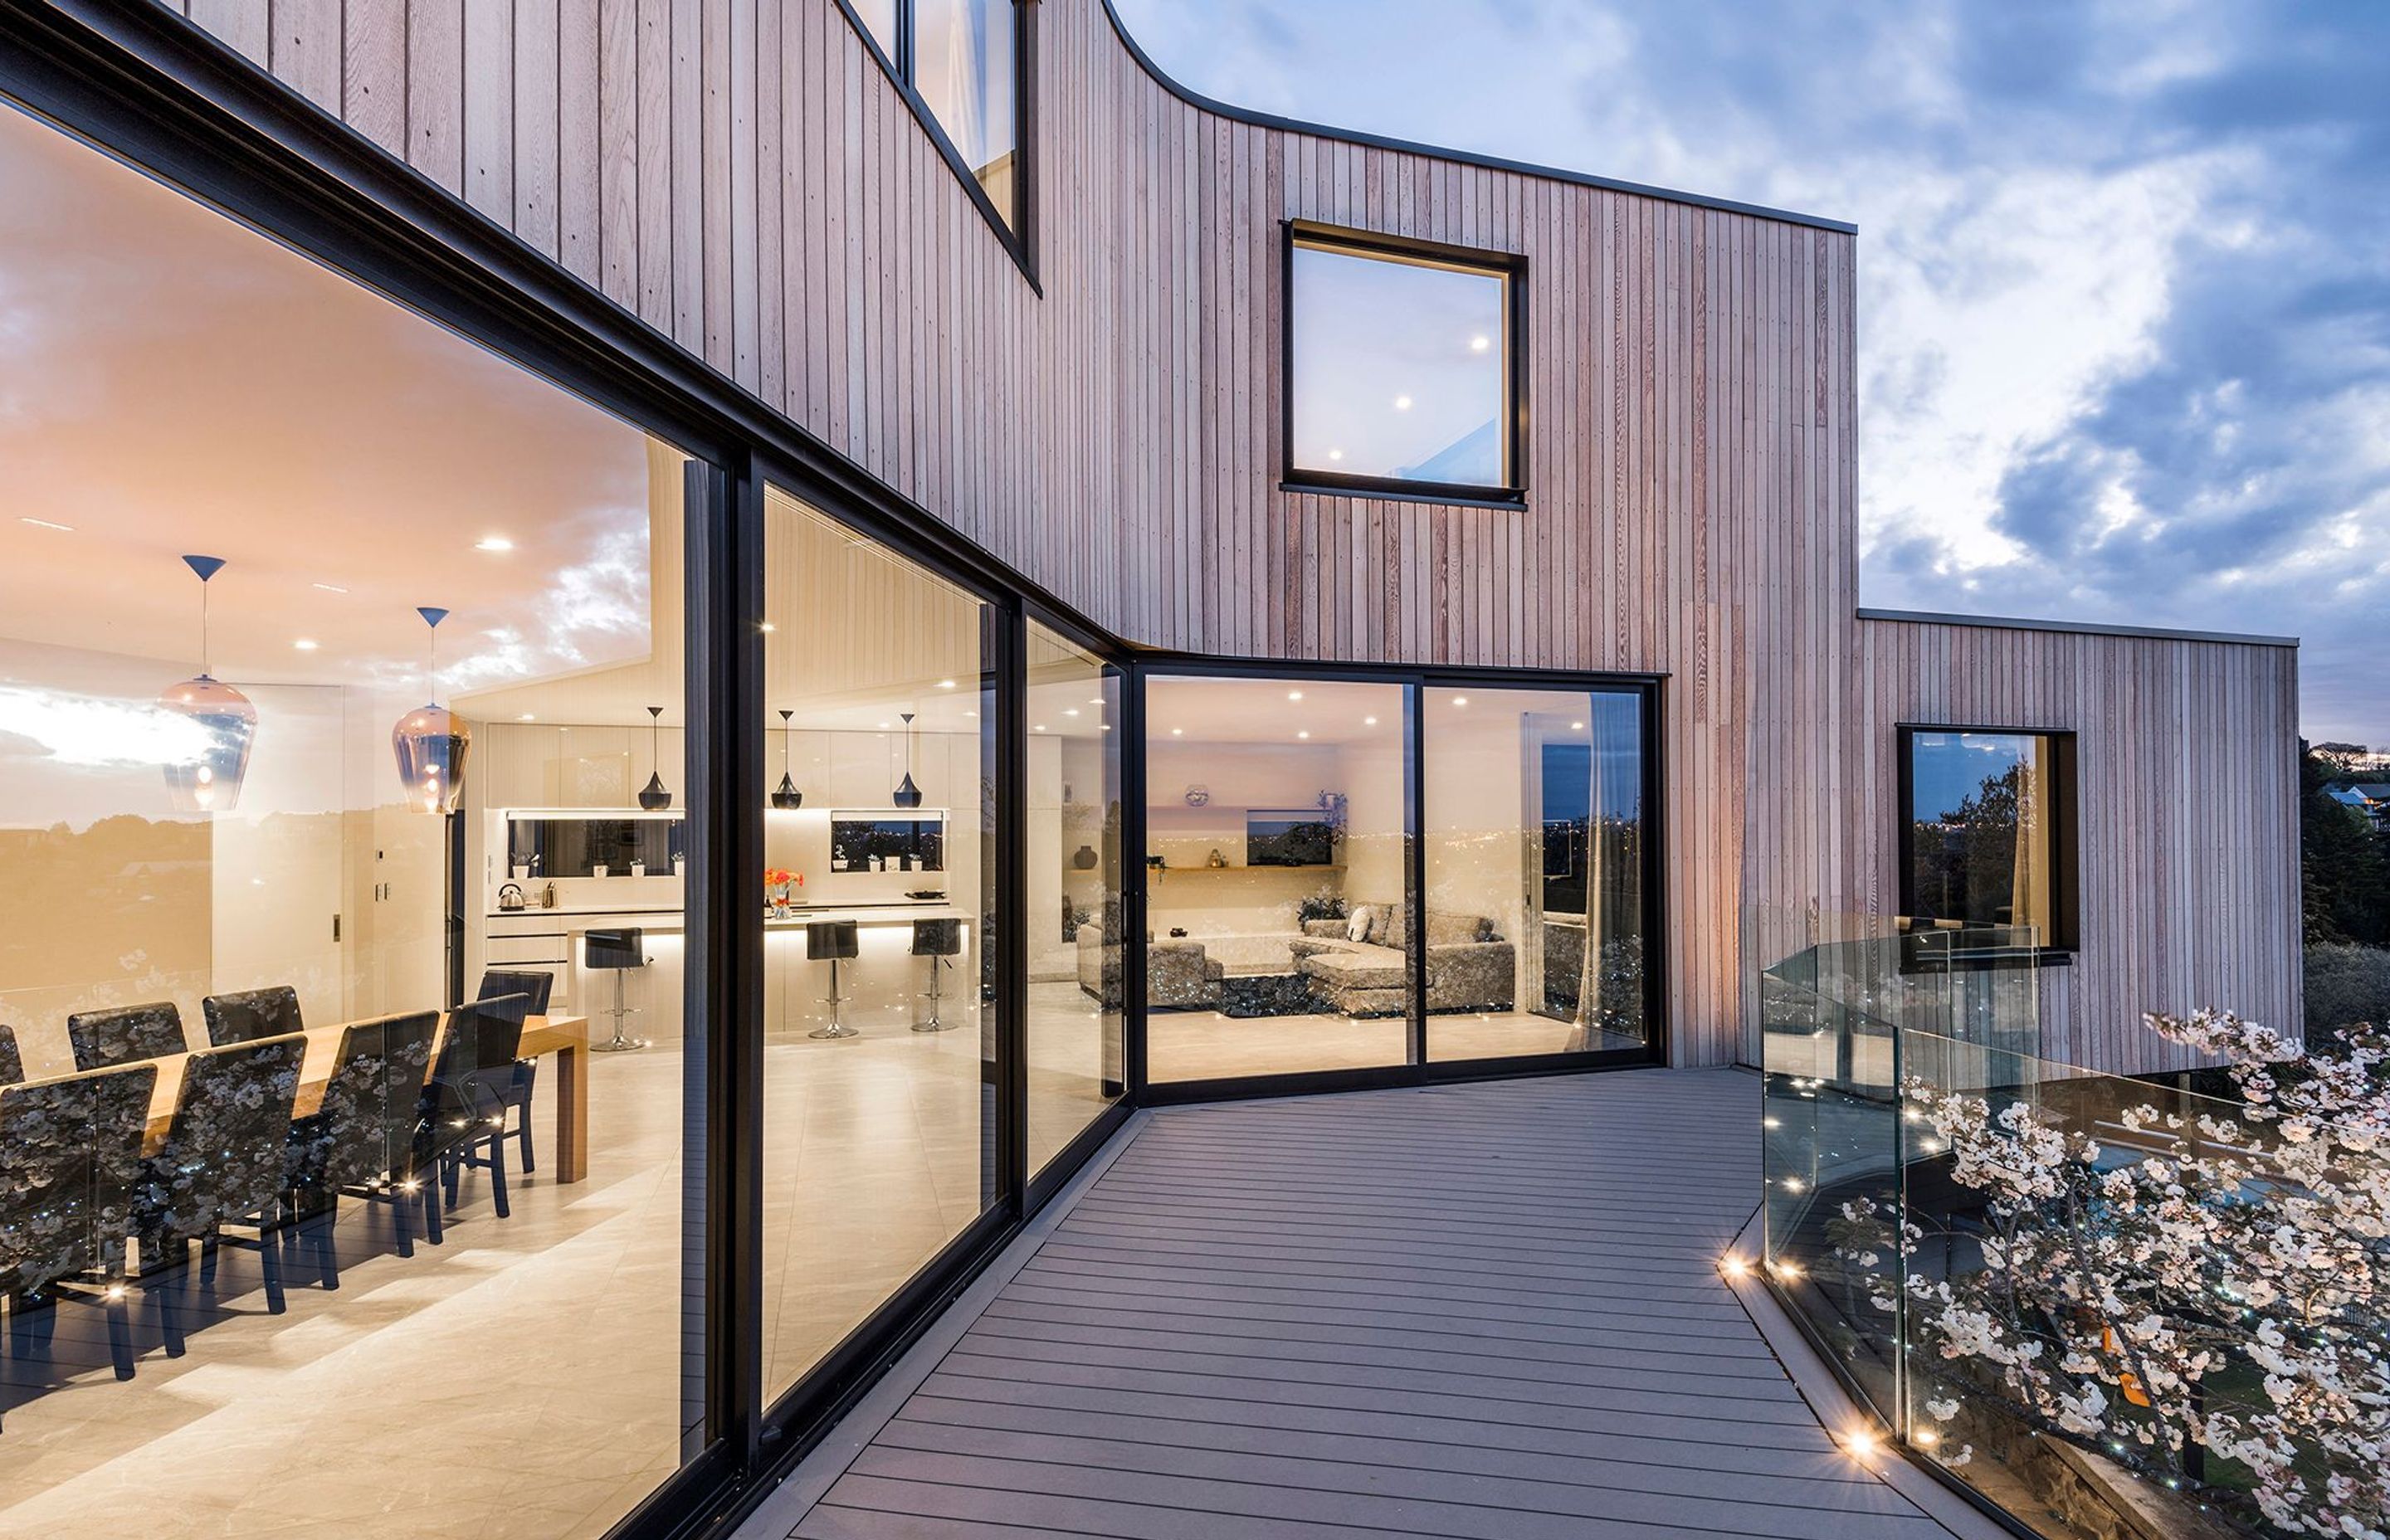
(524, 1379)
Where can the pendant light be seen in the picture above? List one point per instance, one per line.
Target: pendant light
(432, 742)
(207, 779)
(785, 796)
(652, 796)
(907, 794)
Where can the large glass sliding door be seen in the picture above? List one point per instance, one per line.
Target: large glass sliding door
(1534, 847)
(879, 1002)
(1074, 919)
(342, 774)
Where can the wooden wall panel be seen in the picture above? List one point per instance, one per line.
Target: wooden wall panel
(741, 175)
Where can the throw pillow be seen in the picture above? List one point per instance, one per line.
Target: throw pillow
(1356, 928)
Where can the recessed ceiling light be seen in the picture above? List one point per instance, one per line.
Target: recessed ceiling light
(1069, 710)
(1460, 700)
(883, 726)
(1177, 732)
(1095, 701)
(1336, 453)
(45, 524)
(1303, 732)
(1576, 726)
(329, 588)
(1479, 344)
(1294, 695)
(1107, 727)
(305, 644)
(1368, 722)
(494, 542)
(526, 717)
(1402, 404)
(1039, 728)
(945, 684)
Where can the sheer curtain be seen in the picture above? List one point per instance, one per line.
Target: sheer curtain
(2029, 879)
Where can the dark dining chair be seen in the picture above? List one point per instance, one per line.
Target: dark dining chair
(496, 984)
(361, 1141)
(223, 1162)
(12, 1064)
(464, 1102)
(70, 1154)
(126, 1034)
(252, 1014)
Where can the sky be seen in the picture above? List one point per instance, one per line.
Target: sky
(2124, 267)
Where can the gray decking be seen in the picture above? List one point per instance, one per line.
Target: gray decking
(1484, 1311)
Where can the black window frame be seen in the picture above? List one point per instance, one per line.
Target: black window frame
(1016, 233)
(2064, 937)
(1509, 267)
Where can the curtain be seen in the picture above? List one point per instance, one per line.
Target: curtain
(2030, 878)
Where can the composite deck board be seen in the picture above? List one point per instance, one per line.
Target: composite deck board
(1486, 1312)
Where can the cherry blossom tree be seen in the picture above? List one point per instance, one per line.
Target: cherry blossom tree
(2203, 1296)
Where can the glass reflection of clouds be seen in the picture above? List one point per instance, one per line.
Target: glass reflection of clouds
(1389, 377)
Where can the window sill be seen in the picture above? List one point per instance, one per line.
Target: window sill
(1413, 491)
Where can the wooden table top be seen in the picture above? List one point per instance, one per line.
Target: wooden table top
(541, 1034)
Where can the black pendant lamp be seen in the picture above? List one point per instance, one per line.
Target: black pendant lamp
(206, 777)
(785, 796)
(907, 794)
(432, 742)
(652, 796)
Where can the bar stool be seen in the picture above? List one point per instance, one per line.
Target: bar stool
(937, 939)
(616, 952)
(834, 940)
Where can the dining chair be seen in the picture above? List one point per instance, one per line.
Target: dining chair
(464, 1102)
(223, 1162)
(496, 984)
(69, 1153)
(361, 1141)
(252, 1014)
(126, 1034)
(12, 1064)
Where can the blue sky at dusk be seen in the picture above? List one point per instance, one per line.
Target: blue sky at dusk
(2124, 269)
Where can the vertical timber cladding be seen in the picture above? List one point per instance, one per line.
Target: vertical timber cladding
(2187, 799)
(742, 176)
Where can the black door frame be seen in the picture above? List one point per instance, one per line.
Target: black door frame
(147, 87)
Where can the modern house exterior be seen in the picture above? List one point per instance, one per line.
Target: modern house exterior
(1167, 603)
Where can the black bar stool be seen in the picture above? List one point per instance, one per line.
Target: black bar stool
(834, 940)
(616, 952)
(937, 939)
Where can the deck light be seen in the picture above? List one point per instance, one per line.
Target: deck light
(1861, 1444)
(1734, 1267)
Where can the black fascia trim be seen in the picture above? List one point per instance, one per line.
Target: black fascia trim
(2073, 628)
(1016, 244)
(1510, 266)
(1459, 157)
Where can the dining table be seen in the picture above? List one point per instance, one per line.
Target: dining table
(565, 1037)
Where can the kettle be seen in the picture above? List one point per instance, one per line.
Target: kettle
(510, 896)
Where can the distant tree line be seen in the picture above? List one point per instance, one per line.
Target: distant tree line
(2344, 878)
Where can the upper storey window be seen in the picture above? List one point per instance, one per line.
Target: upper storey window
(962, 61)
(1987, 841)
(1401, 368)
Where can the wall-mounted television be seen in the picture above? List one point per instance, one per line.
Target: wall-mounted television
(887, 841)
(1288, 837)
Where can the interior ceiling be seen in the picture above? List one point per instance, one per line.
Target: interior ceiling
(176, 383)
(1265, 710)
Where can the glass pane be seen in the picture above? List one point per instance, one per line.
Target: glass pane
(1980, 833)
(1400, 369)
(1074, 891)
(963, 67)
(878, 18)
(1534, 811)
(243, 775)
(1276, 870)
(878, 850)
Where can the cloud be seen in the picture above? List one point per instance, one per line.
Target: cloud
(2125, 268)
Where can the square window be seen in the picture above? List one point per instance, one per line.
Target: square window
(1987, 838)
(1401, 370)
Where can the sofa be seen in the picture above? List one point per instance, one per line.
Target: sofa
(1179, 974)
(1469, 966)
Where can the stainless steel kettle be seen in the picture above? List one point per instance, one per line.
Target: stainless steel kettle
(510, 896)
